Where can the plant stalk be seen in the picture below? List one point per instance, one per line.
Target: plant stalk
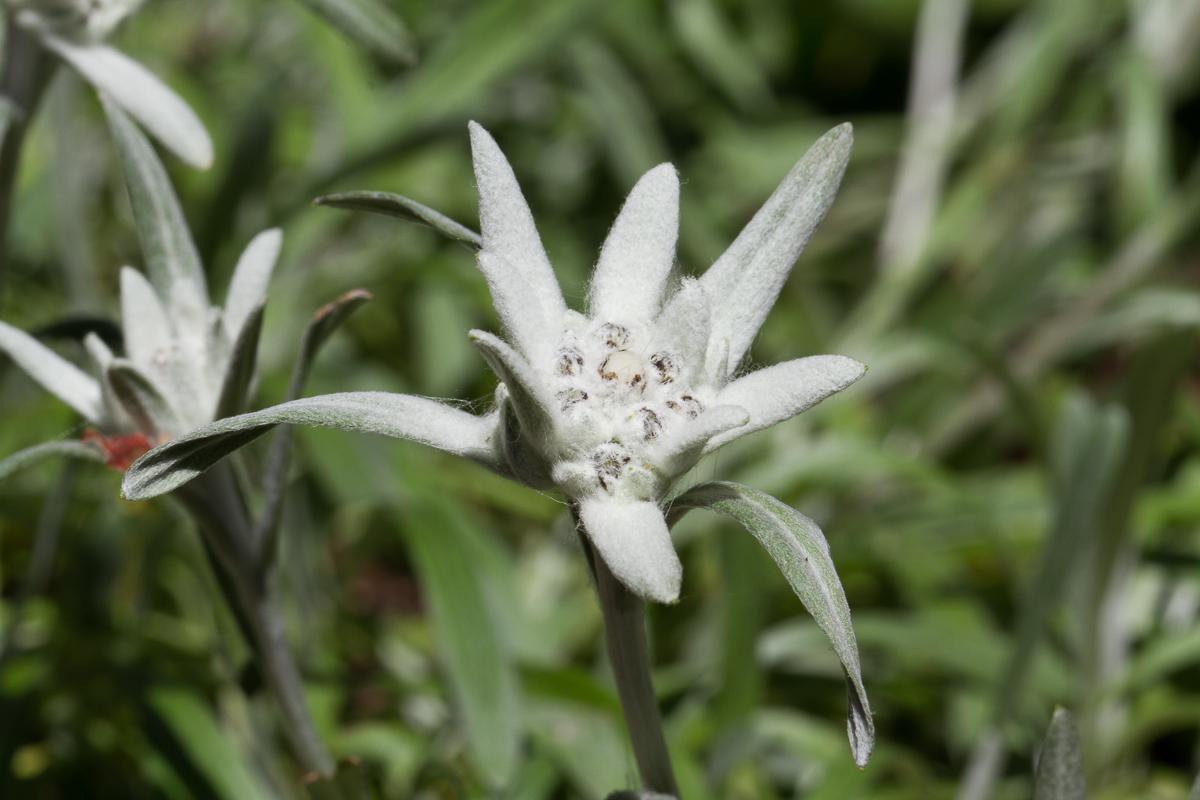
(625, 638)
(23, 78)
(219, 511)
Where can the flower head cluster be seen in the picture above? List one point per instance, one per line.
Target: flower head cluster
(610, 406)
(186, 362)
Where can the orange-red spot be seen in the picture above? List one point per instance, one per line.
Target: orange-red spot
(119, 451)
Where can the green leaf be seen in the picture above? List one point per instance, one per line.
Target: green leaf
(171, 258)
(324, 322)
(240, 371)
(349, 782)
(395, 205)
(372, 24)
(32, 455)
(467, 633)
(209, 747)
(248, 287)
(799, 549)
(1060, 767)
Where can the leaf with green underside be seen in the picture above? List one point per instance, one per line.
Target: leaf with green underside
(395, 205)
(372, 24)
(324, 322)
(141, 399)
(1060, 766)
(800, 551)
(199, 734)
(239, 373)
(39, 452)
(172, 262)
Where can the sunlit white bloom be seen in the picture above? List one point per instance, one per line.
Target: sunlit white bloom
(75, 30)
(611, 405)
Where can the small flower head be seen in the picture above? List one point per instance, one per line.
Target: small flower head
(613, 405)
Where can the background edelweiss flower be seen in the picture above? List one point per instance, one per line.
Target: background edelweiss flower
(185, 362)
(612, 406)
(75, 30)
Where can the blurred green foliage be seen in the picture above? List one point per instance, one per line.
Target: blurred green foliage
(1012, 495)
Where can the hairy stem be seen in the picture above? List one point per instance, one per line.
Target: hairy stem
(218, 509)
(23, 78)
(625, 637)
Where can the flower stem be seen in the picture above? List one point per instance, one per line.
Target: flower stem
(23, 78)
(216, 505)
(625, 637)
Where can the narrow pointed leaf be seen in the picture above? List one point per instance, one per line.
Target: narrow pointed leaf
(172, 262)
(137, 90)
(322, 325)
(144, 402)
(401, 207)
(372, 24)
(39, 452)
(636, 259)
(401, 416)
(147, 330)
(248, 287)
(55, 374)
(800, 551)
(782, 391)
(1060, 766)
(632, 538)
(506, 222)
(533, 408)
(528, 324)
(750, 274)
(240, 372)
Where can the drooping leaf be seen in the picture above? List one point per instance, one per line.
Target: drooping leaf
(798, 547)
(137, 90)
(395, 205)
(371, 23)
(1060, 766)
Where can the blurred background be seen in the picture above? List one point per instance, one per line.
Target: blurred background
(1011, 495)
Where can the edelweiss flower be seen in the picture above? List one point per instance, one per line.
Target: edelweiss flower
(186, 362)
(610, 406)
(74, 30)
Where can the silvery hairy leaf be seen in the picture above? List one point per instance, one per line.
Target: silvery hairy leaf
(55, 374)
(372, 24)
(32, 455)
(172, 262)
(750, 274)
(1060, 766)
(140, 398)
(400, 416)
(395, 205)
(800, 551)
(140, 93)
